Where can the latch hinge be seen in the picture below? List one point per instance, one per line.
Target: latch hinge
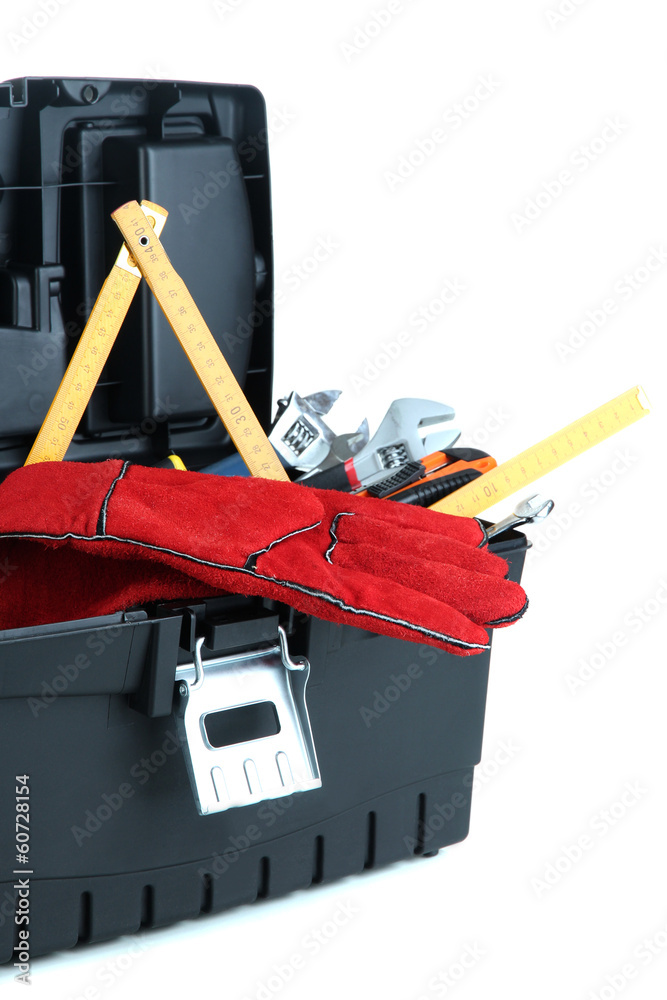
(244, 727)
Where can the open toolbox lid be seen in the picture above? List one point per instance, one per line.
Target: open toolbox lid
(73, 150)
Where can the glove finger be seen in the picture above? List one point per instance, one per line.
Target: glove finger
(399, 516)
(421, 545)
(377, 603)
(388, 607)
(483, 598)
(103, 579)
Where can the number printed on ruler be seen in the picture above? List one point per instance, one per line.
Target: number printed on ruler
(91, 352)
(549, 454)
(85, 368)
(198, 343)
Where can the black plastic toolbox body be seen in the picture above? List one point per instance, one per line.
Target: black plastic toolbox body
(116, 840)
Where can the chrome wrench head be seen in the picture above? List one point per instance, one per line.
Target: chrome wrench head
(420, 426)
(299, 434)
(529, 511)
(534, 508)
(321, 402)
(348, 445)
(411, 429)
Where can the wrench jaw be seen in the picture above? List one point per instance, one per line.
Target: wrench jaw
(420, 425)
(411, 429)
(299, 434)
(532, 510)
(346, 446)
(436, 431)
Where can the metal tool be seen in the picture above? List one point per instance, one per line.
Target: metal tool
(300, 436)
(244, 727)
(528, 511)
(549, 454)
(411, 429)
(348, 445)
(444, 472)
(302, 439)
(321, 402)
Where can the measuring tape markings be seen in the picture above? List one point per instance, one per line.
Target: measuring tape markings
(549, 454)
(143, 254)
(91, 354)
(197, 341)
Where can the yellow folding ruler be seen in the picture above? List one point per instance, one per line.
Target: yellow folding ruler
(92, 353)
(143, 254)
(577, 437)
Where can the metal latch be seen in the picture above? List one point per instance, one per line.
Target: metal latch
(244, 727)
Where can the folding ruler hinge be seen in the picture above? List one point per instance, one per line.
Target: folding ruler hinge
(244, 727)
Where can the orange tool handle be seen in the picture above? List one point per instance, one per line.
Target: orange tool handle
(439, 464)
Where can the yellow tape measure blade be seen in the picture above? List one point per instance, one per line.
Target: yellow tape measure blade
(198, 343)
(547, 455)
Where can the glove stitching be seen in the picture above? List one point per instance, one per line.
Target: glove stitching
(102, 519)
(332, 532)
(254, 556)
(510, 618)
(441, 637)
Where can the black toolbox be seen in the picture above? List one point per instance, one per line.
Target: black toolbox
(87, 707)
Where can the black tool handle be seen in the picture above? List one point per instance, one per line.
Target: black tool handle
(334, 478)
(425, 494)
(465, 454)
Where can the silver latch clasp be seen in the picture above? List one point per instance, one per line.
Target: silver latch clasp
(244, 727)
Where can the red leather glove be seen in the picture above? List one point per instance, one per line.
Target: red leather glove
(78, 540)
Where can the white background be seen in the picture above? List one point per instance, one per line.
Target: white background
(345, 108)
